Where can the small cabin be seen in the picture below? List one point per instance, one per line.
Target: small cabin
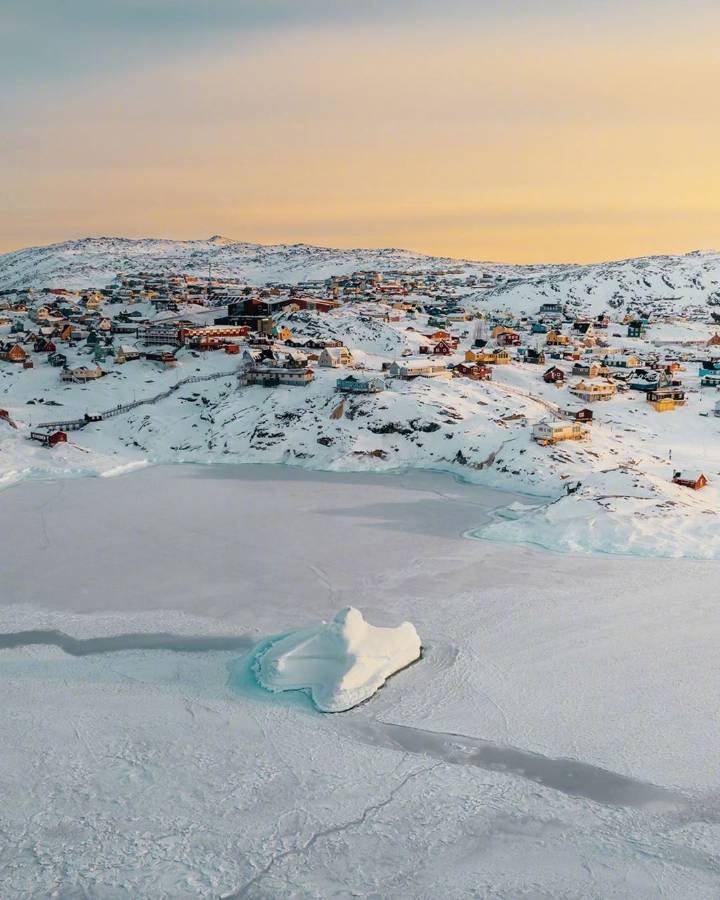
(583, 414)
(49, 439)
(694, 480)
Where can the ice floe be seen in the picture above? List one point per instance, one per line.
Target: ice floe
(339, 663)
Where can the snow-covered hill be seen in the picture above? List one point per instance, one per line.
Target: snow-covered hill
(656, 283)
(94, 261)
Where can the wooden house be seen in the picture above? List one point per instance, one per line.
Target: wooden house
(81, 374)
(636, 328)
(549, 431)
(358, 385)
(415, 368)
(475, 371)
(586, 369)
(578, 414)
(694, 480)
(665, 399)
(556, 339)
(590, 391)
(553, 375)
(49, 439)
(621, 361)
(333, 357)
(13, 353)
(534, 357)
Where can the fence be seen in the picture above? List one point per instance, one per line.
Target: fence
(75, 424)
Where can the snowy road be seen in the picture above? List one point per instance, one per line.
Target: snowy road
(558, 739)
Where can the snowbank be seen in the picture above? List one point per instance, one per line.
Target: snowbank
(340, 663)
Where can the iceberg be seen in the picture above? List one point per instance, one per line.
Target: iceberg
(339, 663)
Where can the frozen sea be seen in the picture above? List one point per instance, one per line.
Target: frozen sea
(559, 738)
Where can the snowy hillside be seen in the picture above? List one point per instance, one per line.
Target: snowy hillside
(657, 284)
(95, 261)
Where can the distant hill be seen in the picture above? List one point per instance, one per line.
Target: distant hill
(672, 284)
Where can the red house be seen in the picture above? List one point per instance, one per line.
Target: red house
(553, 375)
(508, 339)
(442, 348)
(476, 371)
(694, 480)
(49, 439)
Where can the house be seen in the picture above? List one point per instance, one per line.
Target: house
(490, 357)
(166, 357)
(126, 353)
(539, 328)
(578, 414)
(475, 371)
(58, 360)
(555, 339)
(592, 391)
(665, 399)
(49, 439)
(694, 480)
(553, 375)
(332, 357)
(549, 431)
(535, 357)
(621, 361)
(13, 353)
(636, 328)
(550, 309)
(356, 385)
(586, 369)
(415, 368)
(584, 328)
(81, 374)
(508, 338)
(272, 375)
(442, 348)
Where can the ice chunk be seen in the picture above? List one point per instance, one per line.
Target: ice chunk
(339, 663)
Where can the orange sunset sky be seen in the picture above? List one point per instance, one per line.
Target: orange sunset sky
(573, 132)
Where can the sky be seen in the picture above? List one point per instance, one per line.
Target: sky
(513, 131)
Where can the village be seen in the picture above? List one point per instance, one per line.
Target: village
(403, 368)
(283, 335)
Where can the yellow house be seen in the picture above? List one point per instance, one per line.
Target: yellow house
(554, 338)
(497, 357)
(549, 432)
(589, 391)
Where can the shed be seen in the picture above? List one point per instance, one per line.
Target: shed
(694, 480)
(49, 438)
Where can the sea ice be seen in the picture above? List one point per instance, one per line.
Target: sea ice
(339, 663)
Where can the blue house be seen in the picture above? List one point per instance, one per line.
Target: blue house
(354, 385)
